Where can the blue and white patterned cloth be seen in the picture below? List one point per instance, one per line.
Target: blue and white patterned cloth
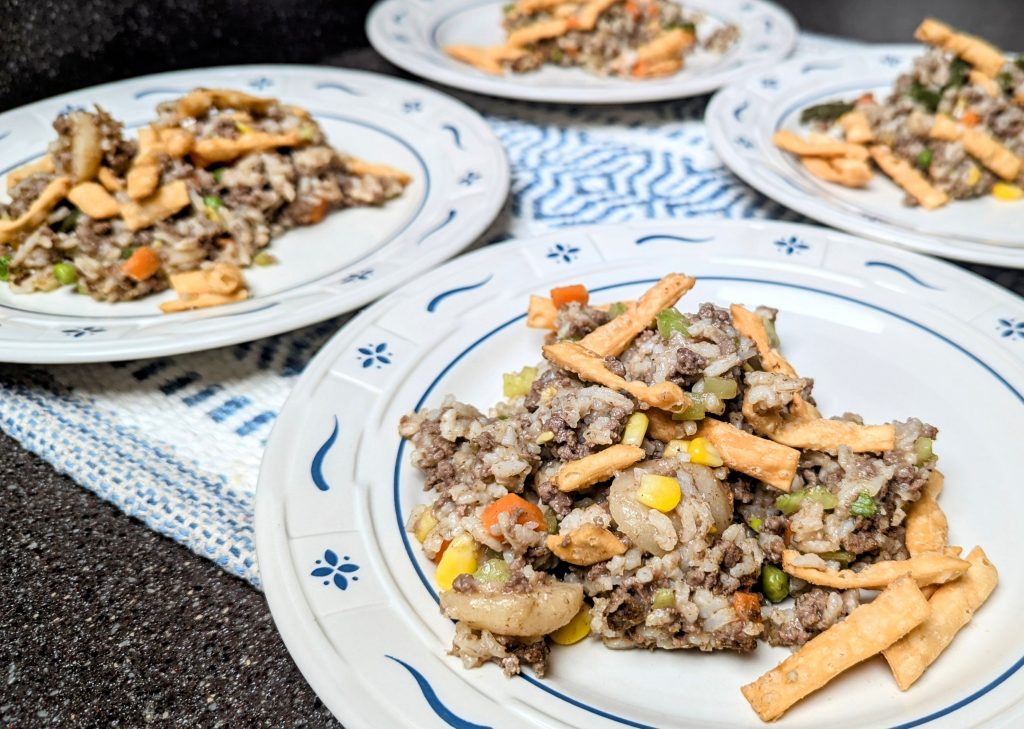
(177, 441)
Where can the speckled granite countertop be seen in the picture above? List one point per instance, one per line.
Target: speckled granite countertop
(105, 623)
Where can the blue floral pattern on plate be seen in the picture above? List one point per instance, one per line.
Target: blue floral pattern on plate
(563, 253)
(374, 355)
(336, 570)
(1011, 329)
(791, 246)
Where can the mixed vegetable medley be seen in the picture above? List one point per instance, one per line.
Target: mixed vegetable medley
(664, 479)
(951, 129)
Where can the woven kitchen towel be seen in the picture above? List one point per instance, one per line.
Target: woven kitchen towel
(177, 441)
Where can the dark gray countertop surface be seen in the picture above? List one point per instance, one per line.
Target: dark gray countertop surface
(105, 623)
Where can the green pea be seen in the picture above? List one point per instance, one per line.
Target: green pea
(65, 273)
(493, 570)
(774, 583)
(218, 175)
(213, 202)
(664, 598)
(755, 523)
(924, 159)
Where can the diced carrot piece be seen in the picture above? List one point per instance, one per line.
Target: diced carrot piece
(566, 294)
(144, 262)
(971, 119)
(318, 212)
(508, 504)
(632, 8)
(867, 98)
(747, 605)
(440, 552)
(640, 68)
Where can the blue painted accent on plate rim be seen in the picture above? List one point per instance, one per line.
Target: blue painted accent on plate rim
(677, 238)
(455, 133)
(446, 714)
(898, 269)
(451, 216)
(396, 497)
(316, 469)
(432, 306)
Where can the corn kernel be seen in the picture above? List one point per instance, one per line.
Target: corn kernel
(675, 447)
(424, 525)
(545, 437)
(659, 492)
(575, 630)
(242, 127)
(973, 175)
(1006, 191)
(636, 429)
(701, 451)
(459, 559)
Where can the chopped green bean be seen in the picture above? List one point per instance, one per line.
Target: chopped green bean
(670, 321)
(924, 159)
(218, 175)
(789, 503)
(827, 112)
(723, 387)
(695, 411)
(823, 496)
(264, 259)
(755, 523)
(127, 253)
(493, 570)
(5, 268)
(664, 598)
(864, 505)
(213, 202)
(774, 583)
(923, 450)
(65, 273)
(841, 557)
(518, 383)
(769, 329)
(616, 309)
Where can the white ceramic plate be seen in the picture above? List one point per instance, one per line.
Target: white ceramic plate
(413, 33)
(888, 333)
(460, 181)
(742, 118)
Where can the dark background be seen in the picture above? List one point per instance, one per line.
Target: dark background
(51, 46)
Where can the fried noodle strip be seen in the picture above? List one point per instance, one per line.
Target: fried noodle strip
(926, 569)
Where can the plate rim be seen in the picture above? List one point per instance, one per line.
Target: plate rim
(270, 502)
(819, 208)
(597, 96)
(488, 209)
